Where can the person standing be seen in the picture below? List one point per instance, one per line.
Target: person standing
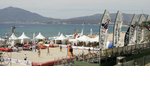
(70, 55)
(39, 52)
(48, 50)
(68, 50)
(25, 57)
(60, 48)
(71, 51)
(89, 50)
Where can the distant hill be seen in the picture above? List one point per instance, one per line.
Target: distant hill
(95, 19)
(17, 15)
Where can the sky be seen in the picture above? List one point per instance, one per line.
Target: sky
(74, 8)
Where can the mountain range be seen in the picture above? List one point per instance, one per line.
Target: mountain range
(18, 15)
(95, 19)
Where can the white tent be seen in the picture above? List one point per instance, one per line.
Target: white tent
(73, 41)
(61, 37)
(13, 37)
(24, 38)
(84, 39)
(96, 39)
(1, 39)
(40, 36)
(69, 36)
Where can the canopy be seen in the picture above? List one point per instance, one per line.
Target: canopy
(13, 37)
(96, 39)
(83, 38)
(61, 37)
(72, 40)
(1, 39)
(40, 36)
(23, 36)
(69, 36)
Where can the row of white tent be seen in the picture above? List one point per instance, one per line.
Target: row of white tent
(39, 36)
(82, 38)
(23, 36)
(61, 37)
(85, 38)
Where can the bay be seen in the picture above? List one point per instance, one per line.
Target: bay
(50, 30)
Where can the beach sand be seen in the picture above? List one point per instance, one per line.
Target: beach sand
(54, 54)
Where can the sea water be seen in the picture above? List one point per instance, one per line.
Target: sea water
(50, 30)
